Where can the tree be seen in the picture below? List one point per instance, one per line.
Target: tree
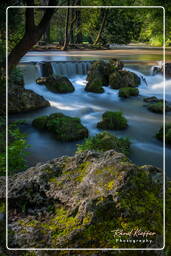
(32, 33)
(66, 40)
(104, 15)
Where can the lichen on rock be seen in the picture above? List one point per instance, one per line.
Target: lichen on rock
(78, 201)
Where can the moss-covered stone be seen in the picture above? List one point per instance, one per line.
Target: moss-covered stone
(158, 107)
(64, 128)
(112, 121)
(95, 86)
(123, 78)
(59, 84)
(152, 99)
(128, 91)
(105, 141)
(159, 134)
(94, 195)
(40, 122)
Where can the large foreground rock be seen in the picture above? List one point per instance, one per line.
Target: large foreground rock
(22, 100)
(80, 202)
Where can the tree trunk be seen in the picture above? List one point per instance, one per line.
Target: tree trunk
(101, 27)
(32, 34)
(73, 20)
(78, 24)
(66, 39)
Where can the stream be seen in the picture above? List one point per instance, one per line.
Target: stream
(89, 107)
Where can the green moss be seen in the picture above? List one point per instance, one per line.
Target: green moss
(127, 92)
(2, 207)
(112, 121)
(123, 78)
(40, 122)
(95, 86)
(159, 134)
(59, 84)
(64, 127)
(158, 107)
(105, 141)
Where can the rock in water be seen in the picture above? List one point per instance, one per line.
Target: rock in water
(112, 121)
(160, 134)
(99, 73)
(126, 92)
(65, 128)
(22, 100)
(122, 79)
(80, 202)
(59, 84)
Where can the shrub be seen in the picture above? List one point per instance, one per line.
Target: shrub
(112, 121)
(105, 141)
(17, 148)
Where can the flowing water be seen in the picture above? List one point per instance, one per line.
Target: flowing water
(143, 125)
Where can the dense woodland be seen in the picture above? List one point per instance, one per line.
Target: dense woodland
(73, 27)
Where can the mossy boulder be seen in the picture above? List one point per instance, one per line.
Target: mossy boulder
(40, 122)
(101, 70)
(158, 107)
(159, 134)
(95, 86)
(64, 128)
(112, 121)
(22, 100)
(123, 78)
(128, 91)
(105, 141)
(59, 84)
(80, 201)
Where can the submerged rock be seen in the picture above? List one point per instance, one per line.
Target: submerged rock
(65, 128)
(159, 134)
(122, 79)
(128, 91)
(80, 201)
(59, 84)
(112, 121)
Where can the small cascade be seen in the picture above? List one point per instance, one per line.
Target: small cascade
(71, 68)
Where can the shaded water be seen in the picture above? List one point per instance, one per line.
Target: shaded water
(143, 125)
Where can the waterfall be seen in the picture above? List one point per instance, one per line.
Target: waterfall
(67, 68)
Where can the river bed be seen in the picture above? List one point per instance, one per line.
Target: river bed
(143, 124)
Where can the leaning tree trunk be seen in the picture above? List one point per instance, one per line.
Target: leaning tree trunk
(101, 27)
(32, 34)
(66, 39)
